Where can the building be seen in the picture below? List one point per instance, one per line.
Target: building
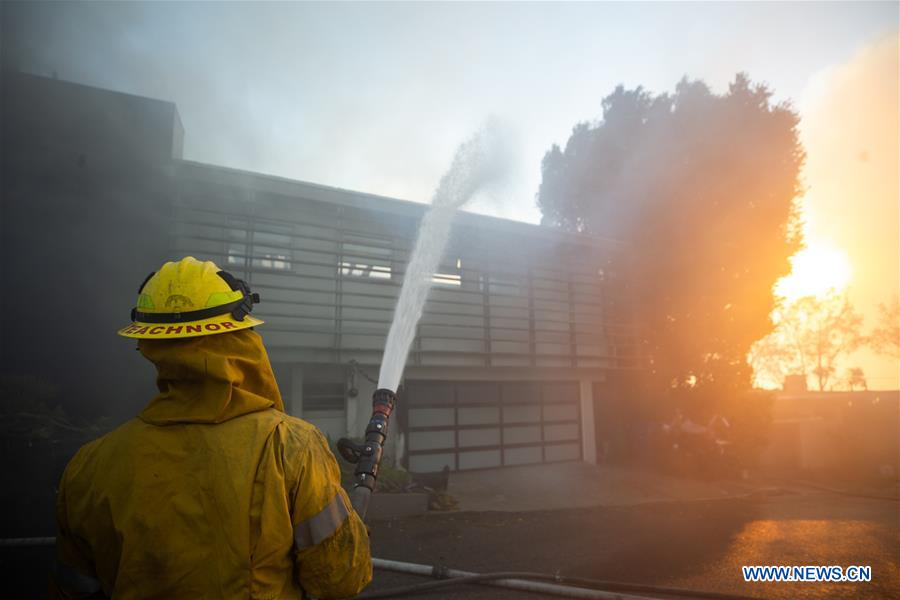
(525, 332)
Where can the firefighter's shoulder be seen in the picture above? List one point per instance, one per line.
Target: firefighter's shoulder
(303, 432)
(97, 452)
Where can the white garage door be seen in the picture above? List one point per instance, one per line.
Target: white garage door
(478, 425)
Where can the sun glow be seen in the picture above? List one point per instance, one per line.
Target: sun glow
(815, 270)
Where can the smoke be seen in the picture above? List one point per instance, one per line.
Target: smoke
(850, 132)
(340, 94)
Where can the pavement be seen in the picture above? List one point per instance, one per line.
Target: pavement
(569, 485)
(646, 528)
(694, 545)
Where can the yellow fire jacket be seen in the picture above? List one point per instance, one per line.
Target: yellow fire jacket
(211, 492)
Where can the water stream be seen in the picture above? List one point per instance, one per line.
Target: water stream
(481, 161)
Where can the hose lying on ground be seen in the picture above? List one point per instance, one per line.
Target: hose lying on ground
(499, 579)
(573, 587)
(851, 494)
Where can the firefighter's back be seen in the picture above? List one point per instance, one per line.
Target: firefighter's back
(178, 511)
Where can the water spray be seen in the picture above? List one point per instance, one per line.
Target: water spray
(480, 161)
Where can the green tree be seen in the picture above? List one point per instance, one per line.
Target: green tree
(703, 188)
(810, 336)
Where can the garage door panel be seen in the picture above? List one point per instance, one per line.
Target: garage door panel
(520, 393)
(476, 425)
(418, 393)
(565, 431)
(479, 437)
(562, 452)
(523, 456)
(431, 417)
(432, 440)
(431, 463)
(481, 459)
(478, 416)
(560, 412)
(521, 435)
(521, 414)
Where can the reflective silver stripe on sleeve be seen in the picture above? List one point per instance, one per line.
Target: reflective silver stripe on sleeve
(321, 525)
(74, 582)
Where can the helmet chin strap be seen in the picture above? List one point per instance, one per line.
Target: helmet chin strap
(249, 299)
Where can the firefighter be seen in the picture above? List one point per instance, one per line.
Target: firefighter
(212, 491)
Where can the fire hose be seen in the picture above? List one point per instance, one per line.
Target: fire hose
(544, 583)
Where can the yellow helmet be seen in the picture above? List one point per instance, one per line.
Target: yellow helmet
(190, 298)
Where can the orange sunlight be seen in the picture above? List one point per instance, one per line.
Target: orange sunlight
(850, 208)
(815, 270)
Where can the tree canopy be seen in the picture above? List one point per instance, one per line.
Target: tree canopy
(703, 188)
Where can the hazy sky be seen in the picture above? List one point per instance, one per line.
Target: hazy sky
(376, 96)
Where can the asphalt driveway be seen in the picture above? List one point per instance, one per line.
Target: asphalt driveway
(696, 545)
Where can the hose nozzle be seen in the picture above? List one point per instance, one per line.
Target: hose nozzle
(383, 401)
(367, 456)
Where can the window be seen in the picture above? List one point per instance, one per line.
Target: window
(446, 280)
(451, 279)
(272, 246)
(363, 270)
(366, 260)
(235, 242)
(272, 261)
(237, 254)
